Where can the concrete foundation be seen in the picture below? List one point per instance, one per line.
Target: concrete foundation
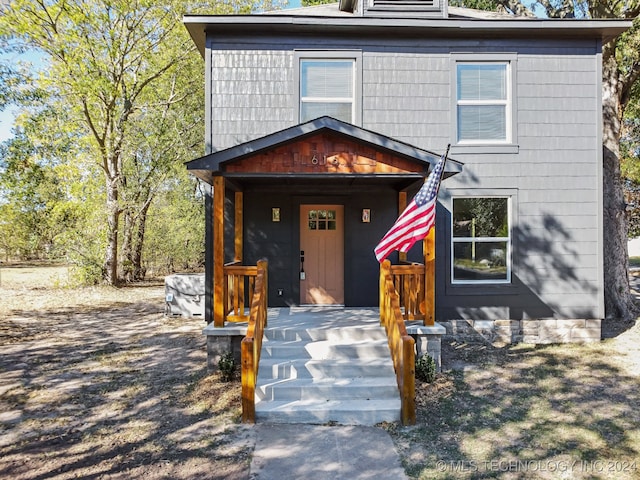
(428, 341)
(224, 340)
(540, 331)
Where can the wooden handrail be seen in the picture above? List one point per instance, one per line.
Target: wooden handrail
(238, 279)
(401, 344)
(409, 282)
(252, 344)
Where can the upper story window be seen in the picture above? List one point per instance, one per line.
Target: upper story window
(484, 103)
(481, 236)
(329, 84)
(326, 88)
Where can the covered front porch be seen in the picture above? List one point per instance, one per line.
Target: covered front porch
(313, 200)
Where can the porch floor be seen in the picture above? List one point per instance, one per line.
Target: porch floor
(322, 317)
(304, 316)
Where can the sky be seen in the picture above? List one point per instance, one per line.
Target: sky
(6, 122)
(7, 116)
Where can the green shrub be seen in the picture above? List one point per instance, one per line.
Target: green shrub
(425, 368)
(227, 367)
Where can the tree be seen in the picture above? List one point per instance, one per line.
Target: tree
(630, 166)
(160, 138)
(107, 61)
(103, 57)
(36, 186)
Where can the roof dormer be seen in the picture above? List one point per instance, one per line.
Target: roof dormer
(396, 8)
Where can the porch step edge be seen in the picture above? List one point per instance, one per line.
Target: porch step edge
(344, 412)
(325, 349)
(354, 333)
(328, 388)
(274, 368)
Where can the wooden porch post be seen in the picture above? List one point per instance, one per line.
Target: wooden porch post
(429, 250)
(218, 251)
(208, 252)
(238, 227)
(402, 204)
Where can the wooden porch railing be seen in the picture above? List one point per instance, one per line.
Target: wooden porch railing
(238, 280)
(409, 282)
(400, 344)
(252, 343)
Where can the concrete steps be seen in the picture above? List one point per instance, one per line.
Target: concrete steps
(338, 373)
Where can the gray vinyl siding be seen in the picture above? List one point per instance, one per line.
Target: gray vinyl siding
(406, 94)
(557, 174)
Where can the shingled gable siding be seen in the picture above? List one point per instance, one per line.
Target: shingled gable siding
(251, 94)
(406, 95)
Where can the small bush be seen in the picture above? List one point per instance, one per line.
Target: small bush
(227, 367)
(425, 368)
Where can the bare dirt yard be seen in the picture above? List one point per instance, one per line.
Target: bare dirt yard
(97, 383)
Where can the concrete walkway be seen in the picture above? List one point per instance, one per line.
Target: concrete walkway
(317, 452)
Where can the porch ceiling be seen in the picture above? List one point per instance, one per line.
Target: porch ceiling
(324, 151)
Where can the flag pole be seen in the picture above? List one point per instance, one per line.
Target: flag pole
(428, 307)
(446, 155)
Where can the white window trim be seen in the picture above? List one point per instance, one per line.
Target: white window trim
(508, 240)
(337, 55)
(510, 144)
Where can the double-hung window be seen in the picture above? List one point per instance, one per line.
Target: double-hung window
(481, 240)
(328, 85)
(484, 101)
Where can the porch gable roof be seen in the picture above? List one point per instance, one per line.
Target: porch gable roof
(421, 161)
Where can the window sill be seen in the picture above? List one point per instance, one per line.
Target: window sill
(482, 289)
(483, 148)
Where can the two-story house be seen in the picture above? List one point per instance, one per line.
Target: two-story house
(322, 122)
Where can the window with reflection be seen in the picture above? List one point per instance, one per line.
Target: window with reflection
(481, 237)
(322, 220)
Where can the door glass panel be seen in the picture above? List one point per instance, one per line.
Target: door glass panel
(322, 219)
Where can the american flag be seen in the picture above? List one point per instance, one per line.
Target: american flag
(416, 220)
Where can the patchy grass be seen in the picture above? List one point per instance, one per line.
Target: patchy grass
(524, 411)
(34, 276)
(634, 262)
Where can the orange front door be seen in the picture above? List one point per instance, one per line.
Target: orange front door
(322, 248)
